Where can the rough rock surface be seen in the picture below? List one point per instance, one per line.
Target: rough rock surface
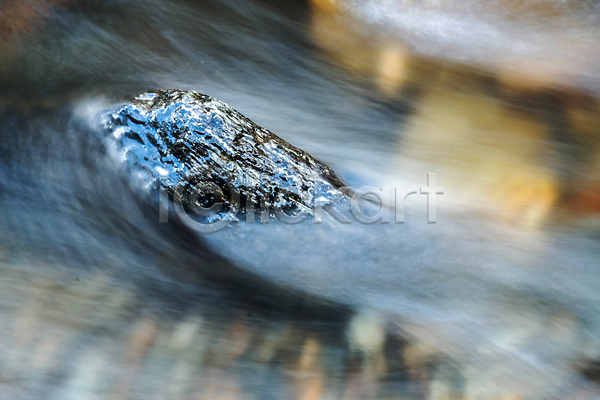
(173, 137)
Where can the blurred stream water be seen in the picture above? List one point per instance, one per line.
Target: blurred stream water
(496, 300)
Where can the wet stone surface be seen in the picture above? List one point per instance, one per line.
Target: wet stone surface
(203, 151)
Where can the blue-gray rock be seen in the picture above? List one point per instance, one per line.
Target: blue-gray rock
(173, 137)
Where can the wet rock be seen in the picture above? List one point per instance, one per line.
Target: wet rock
(203, 151)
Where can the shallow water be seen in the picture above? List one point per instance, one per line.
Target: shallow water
(498, 299)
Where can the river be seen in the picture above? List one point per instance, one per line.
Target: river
(497, 299)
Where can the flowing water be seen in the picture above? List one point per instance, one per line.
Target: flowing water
(497, 299)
